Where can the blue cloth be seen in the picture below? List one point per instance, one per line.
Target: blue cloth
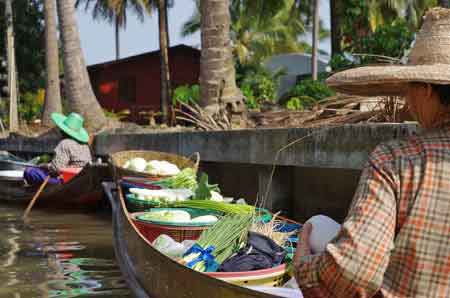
(205, 255)
(35, 176)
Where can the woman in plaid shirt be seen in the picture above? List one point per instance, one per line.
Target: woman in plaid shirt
(395, 241)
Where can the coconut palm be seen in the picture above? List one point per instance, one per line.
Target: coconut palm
(218, 90)
(52, 101)
(78, 88)
(114, 11)
(260, 28)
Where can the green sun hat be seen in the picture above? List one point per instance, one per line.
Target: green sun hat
(71, 125)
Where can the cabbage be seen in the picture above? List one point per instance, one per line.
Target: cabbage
(205, 219)
(161, 168)
(162, 195)
(178, 216)
(136, 164)
(215, 196)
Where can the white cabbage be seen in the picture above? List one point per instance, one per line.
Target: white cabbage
(136, 164)
(205, 219)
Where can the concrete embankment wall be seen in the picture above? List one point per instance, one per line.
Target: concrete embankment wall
(317, 174)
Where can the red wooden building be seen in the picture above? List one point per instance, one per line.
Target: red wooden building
(133, 83)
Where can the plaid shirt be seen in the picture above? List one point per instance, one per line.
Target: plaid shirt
(70, 154)
(395, 241)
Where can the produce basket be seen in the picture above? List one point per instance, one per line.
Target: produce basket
(272, 277)
(118, 160)
(151, 230)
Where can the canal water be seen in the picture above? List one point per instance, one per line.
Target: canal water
(58, 255)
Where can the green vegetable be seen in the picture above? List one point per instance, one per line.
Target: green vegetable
(226, 236)
(226, 208)
(187, 178)
(203, 191)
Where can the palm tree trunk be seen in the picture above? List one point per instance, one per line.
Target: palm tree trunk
(315, 42)
(164, 58)
(444, 3)
(12, 73)
(79, 92)
(218, 90)
(117, 37)
(336, 13)
(52, 89)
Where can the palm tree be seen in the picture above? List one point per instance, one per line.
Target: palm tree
(12, 78)
(52, 90)
(79, 92)
(114, 11)
(164, 58)
(315, 42)
(260, 28)
(218, 90)
(336, 14)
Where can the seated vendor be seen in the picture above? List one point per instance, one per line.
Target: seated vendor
(72, 152)
(395, 240)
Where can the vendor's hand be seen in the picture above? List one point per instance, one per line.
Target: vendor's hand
(303, 247)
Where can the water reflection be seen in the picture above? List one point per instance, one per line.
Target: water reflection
(57, 255)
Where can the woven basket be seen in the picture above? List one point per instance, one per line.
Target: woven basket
(118, 160)
(151, 231)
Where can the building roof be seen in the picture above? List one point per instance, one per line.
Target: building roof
(177, 48)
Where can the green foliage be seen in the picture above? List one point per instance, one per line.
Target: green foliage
(30, 107)
(186, 94)
(339, 62)
(256, 83)
(389, 40)
(379, 28)
(294, 104)
(29, 43)
(306, 93)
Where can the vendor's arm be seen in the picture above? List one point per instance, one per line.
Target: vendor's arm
(61, 158)
(353, 265)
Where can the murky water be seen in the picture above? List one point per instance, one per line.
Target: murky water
(58, 255)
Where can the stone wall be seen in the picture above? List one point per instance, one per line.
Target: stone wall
(319, 174)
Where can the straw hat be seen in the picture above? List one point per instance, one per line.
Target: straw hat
(429, 62)
(71, 125)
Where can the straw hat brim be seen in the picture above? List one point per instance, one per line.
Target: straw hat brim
(82, 135)
(388, 80)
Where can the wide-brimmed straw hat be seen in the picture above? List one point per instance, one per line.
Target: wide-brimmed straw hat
(71, 125)
(429, 62)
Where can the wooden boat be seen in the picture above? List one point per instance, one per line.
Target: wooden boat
(149, 273)
(84, 190)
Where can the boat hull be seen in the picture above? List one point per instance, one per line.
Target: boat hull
(83, 191)
(151, 274)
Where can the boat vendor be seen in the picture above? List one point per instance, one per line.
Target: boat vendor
(395, 240)
(72, 152)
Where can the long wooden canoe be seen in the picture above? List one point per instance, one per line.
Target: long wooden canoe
(82, 191)
(150, 274)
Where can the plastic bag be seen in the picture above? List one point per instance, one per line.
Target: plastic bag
(166, 245)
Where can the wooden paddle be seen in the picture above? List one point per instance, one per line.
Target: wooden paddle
(36, 196)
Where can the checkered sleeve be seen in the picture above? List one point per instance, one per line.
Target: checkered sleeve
(61, 158)
(354, 263)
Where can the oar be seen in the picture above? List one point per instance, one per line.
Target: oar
(36, 196)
